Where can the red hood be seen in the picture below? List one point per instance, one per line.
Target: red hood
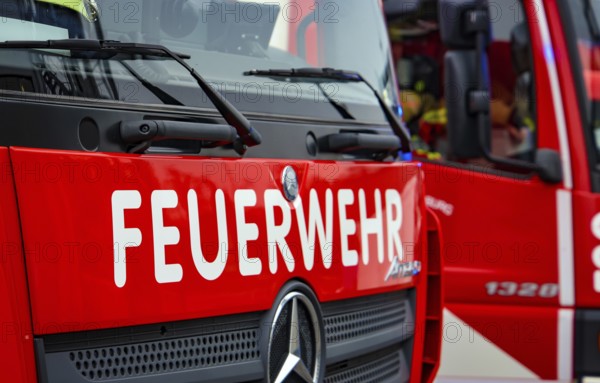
(118, 240)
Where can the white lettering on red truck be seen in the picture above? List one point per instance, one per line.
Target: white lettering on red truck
(319, 224)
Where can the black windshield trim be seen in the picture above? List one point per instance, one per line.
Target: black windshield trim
(175, 109)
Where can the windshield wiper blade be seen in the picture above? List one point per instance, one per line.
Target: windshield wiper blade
(248, 136)
(344, 76)
(91, 45)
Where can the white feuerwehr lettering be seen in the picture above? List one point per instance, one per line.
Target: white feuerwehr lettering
(315, 224)
(309, 228)
(276, 234)
(164, 236)
(347, 227)
(370, 226)
(246, 232)
(393, 213)
(208, 270)
(596, 252)
(123, 237)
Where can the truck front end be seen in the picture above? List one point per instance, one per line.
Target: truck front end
(172, 215)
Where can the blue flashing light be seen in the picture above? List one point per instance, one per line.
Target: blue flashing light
(406, 156)
(399, 111)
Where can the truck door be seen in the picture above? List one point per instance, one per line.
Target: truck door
(508, 255)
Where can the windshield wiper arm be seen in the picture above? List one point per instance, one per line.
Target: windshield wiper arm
(248, 136)
(158, 92)
(343, 76)
(341, 108)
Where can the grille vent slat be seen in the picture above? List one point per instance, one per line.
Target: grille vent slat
(367, 320)
(383, 368)
(166, 356)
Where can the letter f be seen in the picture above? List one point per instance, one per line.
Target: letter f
(123, 237)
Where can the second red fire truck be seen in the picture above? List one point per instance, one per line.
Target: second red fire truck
(502, 100)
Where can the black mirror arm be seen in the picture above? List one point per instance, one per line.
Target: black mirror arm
(545, 174)
(524, 165)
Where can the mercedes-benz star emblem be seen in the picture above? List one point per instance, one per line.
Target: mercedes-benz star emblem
(295, 341)
(289, 181)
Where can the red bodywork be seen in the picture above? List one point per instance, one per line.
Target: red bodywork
(67, 217)
(508, 239)
(16, 354)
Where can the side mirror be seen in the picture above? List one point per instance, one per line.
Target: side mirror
(465, 30)
(549, 166)
(460, 83)
(461, 21)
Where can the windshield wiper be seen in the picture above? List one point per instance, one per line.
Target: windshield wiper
(342, 76)
(341, 108)
(110, 46)
(248, 136)
(158, 92)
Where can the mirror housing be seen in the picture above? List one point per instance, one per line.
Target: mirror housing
(465, 30)
(461, 20)
(549, 165)
(464, 104)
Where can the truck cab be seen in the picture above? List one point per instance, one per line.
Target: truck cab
(210, 191)
(501, 100)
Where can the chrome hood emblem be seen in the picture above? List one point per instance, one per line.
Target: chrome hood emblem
(289, 180)
(295, 345)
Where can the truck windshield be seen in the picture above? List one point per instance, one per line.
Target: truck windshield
(224, 39)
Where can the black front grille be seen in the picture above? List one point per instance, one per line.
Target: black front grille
(366, 341)
(161, 357)
(204, 350)
(383, 366)
(364, 318)
(369, 338)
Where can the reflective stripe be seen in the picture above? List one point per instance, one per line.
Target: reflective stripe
(566, 268)
(559, 111)
(565, 344)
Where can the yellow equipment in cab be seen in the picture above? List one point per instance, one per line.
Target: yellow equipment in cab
(87, 8)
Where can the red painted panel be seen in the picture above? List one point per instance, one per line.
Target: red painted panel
(496, 229)
(500, 241)
(68, 231)
(16, 350)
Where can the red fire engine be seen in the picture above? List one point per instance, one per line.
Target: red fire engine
(191, 192)
(502, 100)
